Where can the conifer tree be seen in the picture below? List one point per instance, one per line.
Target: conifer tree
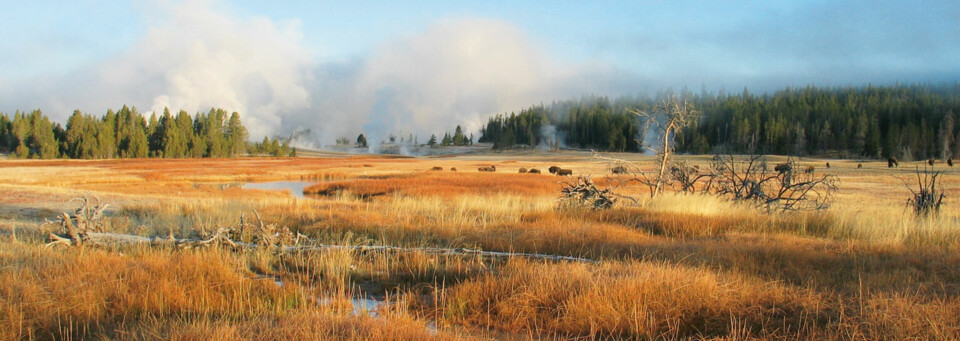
(236, 135)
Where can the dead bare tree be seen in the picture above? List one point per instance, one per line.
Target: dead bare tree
(928, 198)
(747, 178)
(667, 117)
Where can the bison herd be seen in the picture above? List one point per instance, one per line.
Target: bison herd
(491, 169)
(620, 169)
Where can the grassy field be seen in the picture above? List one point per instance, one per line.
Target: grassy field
(675, 267)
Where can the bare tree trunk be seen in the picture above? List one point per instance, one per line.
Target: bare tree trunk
(664, 159)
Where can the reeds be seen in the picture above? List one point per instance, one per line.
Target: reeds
(678, 266)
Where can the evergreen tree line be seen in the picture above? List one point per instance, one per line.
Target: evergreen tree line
(455, 139)
(593, 122)
(903, 121)
(127, 134)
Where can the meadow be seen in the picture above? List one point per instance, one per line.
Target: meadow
(678, 266)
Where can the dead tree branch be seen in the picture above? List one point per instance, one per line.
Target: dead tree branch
(584, 193)
(268, 237)
(667, 118)
(748, 178)
(928, 198)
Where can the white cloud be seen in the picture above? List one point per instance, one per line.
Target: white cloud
(193, 58)
(457, 71)
(198, 55)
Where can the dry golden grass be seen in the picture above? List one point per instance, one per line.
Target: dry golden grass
(678, 266)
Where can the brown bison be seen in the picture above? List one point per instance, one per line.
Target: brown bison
(783, 168)
(950, 162)
(533, 171)
(564, 172)
(437, 168)
(619, 169)
(553, 169)
(892, 162)
(828, 165)
(523, 170)
(453, 169)
(859, 165)
(809, 169)
(488, 169)
(930, 162)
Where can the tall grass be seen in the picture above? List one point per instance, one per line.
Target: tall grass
(677, 266)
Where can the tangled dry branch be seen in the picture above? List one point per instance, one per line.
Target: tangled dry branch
(583, 193)
(260, 236)
(746, 178)
(928, 198)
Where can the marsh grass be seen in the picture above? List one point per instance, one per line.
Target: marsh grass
(678, 266)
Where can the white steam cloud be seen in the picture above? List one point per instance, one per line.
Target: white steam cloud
(194, 58)
(458, 71)
(197, 56)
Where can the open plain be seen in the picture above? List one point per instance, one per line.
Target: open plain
(676, 266)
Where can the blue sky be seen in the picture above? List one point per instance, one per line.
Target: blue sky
(289, 64)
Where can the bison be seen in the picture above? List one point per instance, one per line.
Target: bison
(437, 168)
(859, 165)
(553, 169)
(523, 170)
(488, 169)
(453, 169)
(930, 162)
(892, 162)
(533, 171)
(809, 169)
(783, 168)
(950, 162)
(828, 165)
(620, 169)
(564, 172)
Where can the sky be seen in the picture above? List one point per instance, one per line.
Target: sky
(420, 67)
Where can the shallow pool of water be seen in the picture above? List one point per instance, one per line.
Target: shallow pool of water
(294, 187)
(361, 306)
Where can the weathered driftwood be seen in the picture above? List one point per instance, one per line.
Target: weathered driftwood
(584, 193)
(265, 236)
(106, 239)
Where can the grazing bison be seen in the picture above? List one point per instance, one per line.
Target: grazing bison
(892, 162)
(564, 172)
(930, 162)
(553, 169)
(453, 169)
(488, 169)
(859, 165)
(437, 168)
(950, 162)
(534, 171)
(620, 169)
(783, 168)
(523, 170)
(809, 169)
(828, 165)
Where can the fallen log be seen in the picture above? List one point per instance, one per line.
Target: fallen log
(267, 237)
(107, 239)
